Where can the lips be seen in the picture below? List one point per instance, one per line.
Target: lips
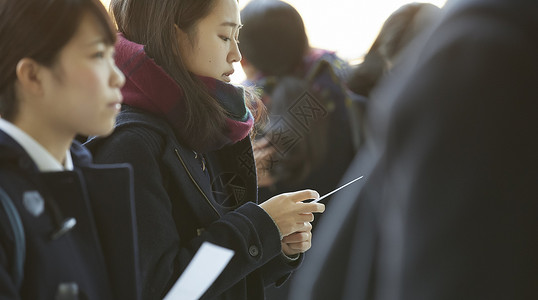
(116, 104)
(226, 75)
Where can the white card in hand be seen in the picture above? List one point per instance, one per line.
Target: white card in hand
(336, 190)
(205, 267)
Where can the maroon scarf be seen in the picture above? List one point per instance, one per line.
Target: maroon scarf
(150, 88)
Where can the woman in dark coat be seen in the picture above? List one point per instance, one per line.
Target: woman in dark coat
(66, 225)
(186, 131)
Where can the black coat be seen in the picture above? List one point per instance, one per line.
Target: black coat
(450, 210)
(98, 254)
(180, 205)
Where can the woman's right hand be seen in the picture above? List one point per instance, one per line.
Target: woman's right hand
(290, 213)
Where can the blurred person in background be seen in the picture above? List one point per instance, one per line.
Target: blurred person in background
(309, 141)
(313, 131)
(398, 31)
(449, 210)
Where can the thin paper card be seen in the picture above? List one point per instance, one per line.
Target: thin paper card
(205, 267)
(336, 190)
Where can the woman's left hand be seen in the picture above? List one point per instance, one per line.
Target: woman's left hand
(297, 242)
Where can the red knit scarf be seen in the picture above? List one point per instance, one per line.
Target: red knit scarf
(150, 88)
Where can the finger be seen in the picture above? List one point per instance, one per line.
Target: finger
(297, 237)
(304, 195)
(312, 207)
(293, 238)
(308, 217)
(301, 227)
(301, 247)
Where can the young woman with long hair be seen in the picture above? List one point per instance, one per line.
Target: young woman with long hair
(185, 130)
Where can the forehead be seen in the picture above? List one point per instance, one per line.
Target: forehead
(223, 11)
(89, 31)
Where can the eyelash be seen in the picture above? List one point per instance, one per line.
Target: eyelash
(104, 54)
(227, 39)
(100, 54)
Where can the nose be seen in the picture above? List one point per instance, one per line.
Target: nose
(235, 54)
(117, 79)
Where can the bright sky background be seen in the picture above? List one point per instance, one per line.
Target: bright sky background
(346, 26)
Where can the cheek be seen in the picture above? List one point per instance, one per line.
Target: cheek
(88, 89)
(91, 83)
(91, 78)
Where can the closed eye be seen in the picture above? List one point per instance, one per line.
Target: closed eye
(224, 38)
(99, 54)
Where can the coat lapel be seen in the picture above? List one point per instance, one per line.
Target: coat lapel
(110, 190)
(196, 181)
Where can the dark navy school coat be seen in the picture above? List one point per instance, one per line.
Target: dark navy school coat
(180, 204)
(98, 254)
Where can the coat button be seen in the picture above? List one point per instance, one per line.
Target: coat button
(253, 251)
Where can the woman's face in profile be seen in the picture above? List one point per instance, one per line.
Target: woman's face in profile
(82, 89)
(213, 48)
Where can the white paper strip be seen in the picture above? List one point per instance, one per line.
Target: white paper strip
(336, 190)
(205, 267)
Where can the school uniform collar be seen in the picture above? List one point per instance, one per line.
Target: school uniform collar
(44, 161)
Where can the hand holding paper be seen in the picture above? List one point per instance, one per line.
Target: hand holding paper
(289, 212)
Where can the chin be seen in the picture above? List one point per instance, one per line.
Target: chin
(108, 131)
(103, 132)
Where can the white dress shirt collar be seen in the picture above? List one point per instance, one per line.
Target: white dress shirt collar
(42, 158)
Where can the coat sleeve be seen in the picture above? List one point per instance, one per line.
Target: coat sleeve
(248, 230)
(279, 269)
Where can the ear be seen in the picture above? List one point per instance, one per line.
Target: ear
(29, 77)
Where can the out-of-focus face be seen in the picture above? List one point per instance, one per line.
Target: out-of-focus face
(82, 89)
(214, 46)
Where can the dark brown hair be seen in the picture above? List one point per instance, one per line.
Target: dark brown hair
(152, 24)
(273, 38)
(38, 30)
(398, 31)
